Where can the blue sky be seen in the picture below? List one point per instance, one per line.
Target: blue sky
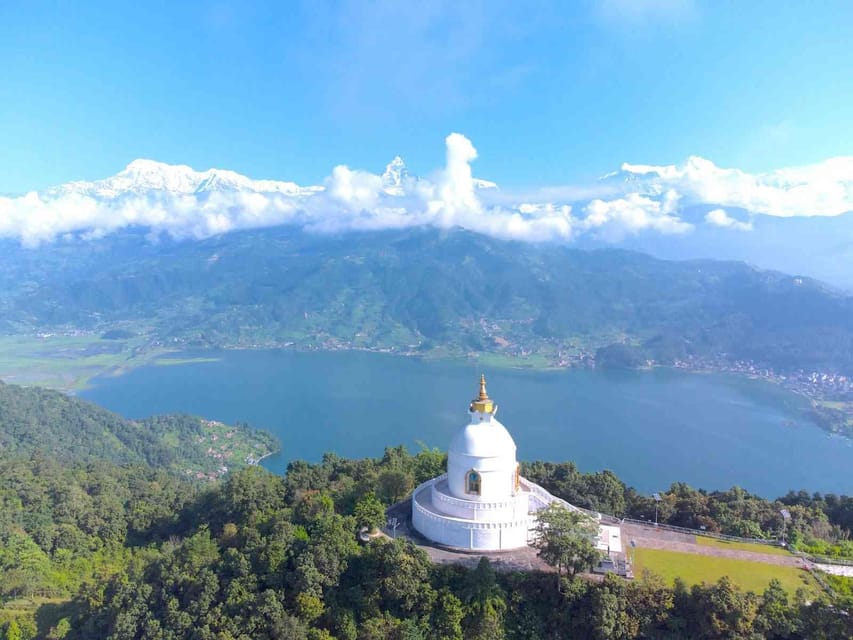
(550, 92)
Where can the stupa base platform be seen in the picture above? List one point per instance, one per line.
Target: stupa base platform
(478, 532)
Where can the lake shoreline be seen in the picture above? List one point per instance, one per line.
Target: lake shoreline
(650, 427)
(74, 375)
(833, 424)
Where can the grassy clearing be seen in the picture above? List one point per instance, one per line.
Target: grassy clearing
(171, 362)
(42, 613)
(68, 362)
(498, 360)
(695, 569)
(742, 546)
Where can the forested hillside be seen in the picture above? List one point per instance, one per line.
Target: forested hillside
(130, 546)
(130, 552)
(73, 430)
(426, 291)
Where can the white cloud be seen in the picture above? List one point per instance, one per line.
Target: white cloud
(614, 219)
(823, 189)
(638, 199)
(356, 189)
(719, 218)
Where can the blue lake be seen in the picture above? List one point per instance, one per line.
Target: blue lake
(651, 428)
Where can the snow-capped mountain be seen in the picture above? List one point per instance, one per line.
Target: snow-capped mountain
(395, 176)
(144, 176)
(790, 219)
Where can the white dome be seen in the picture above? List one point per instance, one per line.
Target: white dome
(481, 464)
(486, 439)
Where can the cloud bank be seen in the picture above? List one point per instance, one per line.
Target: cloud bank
(719, 218)
(823, 189)
(181, 202)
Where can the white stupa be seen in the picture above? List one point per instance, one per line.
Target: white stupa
(481, 503)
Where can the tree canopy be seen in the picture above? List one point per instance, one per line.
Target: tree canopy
(566, 539)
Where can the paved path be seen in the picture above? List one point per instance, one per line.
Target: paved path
(835, 569)
(525, 559)
(649, 537)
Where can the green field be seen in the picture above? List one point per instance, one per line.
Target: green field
(498, 360)
(68, 362)
(171, 362)
(695, 569)
(742, 546)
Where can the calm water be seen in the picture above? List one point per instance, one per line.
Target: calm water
(652, 428)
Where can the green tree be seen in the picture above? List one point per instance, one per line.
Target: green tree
(309, 606)
(394, 484)
(251, 492)
(446, 621)
(722, 611)
(13, 631)
(369, 512)
(60, 630)
(775, 618)
(486, 603)
(607, 492)
(399, 576)
(610, 612)
(650, 601)
(429, 463)
(565, 540)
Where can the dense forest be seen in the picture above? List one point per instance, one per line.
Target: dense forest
(121, 549)
(132, 552)
(428, 290)
(68, 429)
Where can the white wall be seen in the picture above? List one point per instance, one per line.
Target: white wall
(514, 508)
(497, 477)
(469, 535)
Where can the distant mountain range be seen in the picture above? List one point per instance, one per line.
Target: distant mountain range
(146, 177)
(819, 247)
(425, 290)
(449, 264)
(795, 221)
(141, 177)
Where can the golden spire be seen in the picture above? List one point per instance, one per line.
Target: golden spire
(483, 394)
(482, 403)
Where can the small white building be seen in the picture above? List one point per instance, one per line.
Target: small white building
(482, 503)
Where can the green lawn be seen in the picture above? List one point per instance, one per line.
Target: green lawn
(742, 546)
(695, 569)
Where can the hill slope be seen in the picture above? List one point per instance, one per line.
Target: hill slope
(425, 289)
(72, 430)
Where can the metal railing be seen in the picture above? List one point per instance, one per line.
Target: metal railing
(841, 562)
(810, 557)
(546, 498)
(823, 583)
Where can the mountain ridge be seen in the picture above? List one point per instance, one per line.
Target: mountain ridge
(790, 219)
(422, 290)
(145, 175)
